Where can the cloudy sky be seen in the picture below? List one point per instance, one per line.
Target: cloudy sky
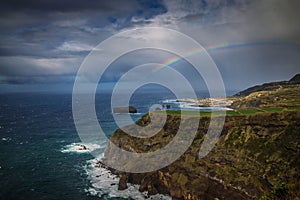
(43, 43)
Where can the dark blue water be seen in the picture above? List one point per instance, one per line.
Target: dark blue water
(34, 128)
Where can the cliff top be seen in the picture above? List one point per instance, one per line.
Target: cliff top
(270, 86)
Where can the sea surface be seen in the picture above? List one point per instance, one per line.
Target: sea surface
(39, 147)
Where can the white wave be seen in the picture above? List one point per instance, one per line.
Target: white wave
(6, 139)
(80, 148)
(105, 183)
(136, 113)
(170, 101)
(192, 104)
(195, 107)
(220, 108)
(127, 113)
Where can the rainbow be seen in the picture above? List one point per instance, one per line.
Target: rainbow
(176, 59)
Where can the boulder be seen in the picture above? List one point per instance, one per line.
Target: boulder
(122, 182)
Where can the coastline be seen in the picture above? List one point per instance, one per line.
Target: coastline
(192, 178)
(253, 158)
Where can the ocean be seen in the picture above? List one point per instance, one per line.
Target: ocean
(39, 156)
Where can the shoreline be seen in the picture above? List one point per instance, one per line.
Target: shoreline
(190, 177)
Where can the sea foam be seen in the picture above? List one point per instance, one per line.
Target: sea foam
(80, 148)
(103, 182)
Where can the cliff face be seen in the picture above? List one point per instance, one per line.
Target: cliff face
(256, 156)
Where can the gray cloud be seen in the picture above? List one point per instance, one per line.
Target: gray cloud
(67, 5)
(44, 41)
(246, 23)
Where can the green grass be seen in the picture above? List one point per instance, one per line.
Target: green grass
(250, 111)
(176, 112)
(272, 109)
(279, 109)
(293, 102)
(189, 113)
(231, 112)
(293, 108)
(202, 113)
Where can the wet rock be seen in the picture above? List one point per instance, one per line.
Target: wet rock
(123, 182)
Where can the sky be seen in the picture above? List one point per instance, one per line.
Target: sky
(43, 43)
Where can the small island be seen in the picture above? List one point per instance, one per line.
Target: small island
(120, 110)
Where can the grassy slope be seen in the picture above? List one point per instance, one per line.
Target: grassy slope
(257, 155)
(263, 101)
(279, 98)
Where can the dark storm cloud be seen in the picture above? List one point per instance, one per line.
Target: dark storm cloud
(39, 25)
(41, 79)
(33, 14)
(44, 41)
(51, 37)
(65, 6)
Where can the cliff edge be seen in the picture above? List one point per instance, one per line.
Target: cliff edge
(256, 157)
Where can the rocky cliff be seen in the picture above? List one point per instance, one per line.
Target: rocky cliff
(257, 156)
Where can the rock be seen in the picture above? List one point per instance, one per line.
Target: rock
(176, 193)
(82, 147)
(129, 109)
(123, 182)
(152, 190)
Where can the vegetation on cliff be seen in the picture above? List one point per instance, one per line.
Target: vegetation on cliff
(294, 81)
(279, 98)
(257, 155)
